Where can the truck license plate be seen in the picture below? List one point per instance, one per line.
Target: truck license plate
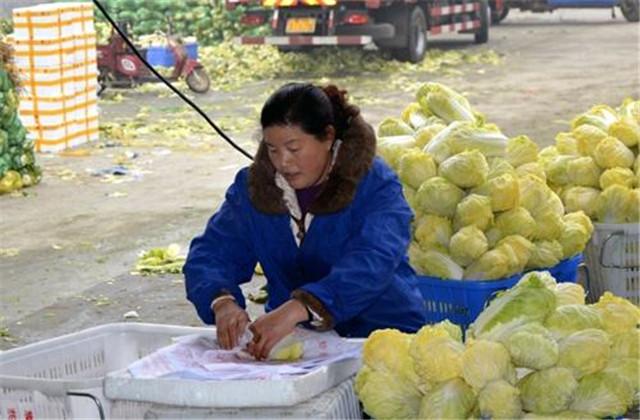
(301, 26)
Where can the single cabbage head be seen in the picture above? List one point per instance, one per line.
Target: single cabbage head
(516, 221)
(386, 396)
(557, 169)
(566, 144)
(521, 150)
(626, 130)
(473, 210)
(425, 134)
(467, 245)
(583, 171)
(391, 149)
(611, 153)
(433, 231)
(503, 190)
(487, 141)
(532, 349)
(603, 394)
(548, 226)
(437, 360)
(568, 319)
(545, 254)
(387, 350)
(588, 138)
(500, 400)
(484, 361)
(414, 116)
(626, 344)
(394, 127)
(444, 102)
(518, 248)
(618, 314)
(573, 239)
(453, 399)
(466, 170)
(415, 167)
(617, 176)
(529, 301)
(438, 196)
(547, 391)
(581, 199)
(584, 352)
(627, 368)
(492, 265)
(601, 116)
(568, 293)
(614, 204)
(538, 276)
(499, 166)
(533, 168)
(535, 195)
(437, 264)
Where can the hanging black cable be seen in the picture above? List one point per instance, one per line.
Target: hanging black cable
(176, 91)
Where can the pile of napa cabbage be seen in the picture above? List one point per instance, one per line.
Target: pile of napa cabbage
(483, 208)
(537, 350)
(596, 166)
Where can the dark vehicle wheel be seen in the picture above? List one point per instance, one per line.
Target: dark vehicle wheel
(103, 80)
(630, 10)
(498, 16)
(416, 46)
(482, 36)
(198, 80)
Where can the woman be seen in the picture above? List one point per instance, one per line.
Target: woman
(325, 218)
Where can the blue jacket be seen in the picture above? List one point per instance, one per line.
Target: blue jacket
(353, 261)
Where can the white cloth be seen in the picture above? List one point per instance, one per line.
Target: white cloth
(199, 357)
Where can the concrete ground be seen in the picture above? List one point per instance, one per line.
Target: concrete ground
(78, 235)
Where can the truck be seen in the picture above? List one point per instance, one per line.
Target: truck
(401, 27)
(629, 8)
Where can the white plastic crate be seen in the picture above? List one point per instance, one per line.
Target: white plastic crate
(35, 380)
(340, 402)
(612, 257)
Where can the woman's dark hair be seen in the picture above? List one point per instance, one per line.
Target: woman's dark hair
(311, 107)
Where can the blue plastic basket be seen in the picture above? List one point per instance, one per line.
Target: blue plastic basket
(160, 56)
(459, 301)
(567, 270)
(192, 50)
(163, 56)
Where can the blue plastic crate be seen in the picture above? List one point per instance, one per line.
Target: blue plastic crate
(163, 56)
(567, 270)
(160, 56)
(459, 301)
(192, 50)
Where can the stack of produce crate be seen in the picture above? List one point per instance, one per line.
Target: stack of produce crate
(56, 55)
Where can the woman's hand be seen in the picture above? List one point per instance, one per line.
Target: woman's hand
(270, 328)
(231, 321)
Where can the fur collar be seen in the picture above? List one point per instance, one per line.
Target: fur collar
(354, 160)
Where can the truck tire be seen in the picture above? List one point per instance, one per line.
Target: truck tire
(630, 10)
(482, 36)
(498, 16)
(416, 45)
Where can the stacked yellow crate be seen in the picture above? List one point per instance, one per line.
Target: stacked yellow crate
(55, 48)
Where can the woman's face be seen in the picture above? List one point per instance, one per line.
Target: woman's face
(298, 156)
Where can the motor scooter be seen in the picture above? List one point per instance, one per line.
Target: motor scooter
(118, 66)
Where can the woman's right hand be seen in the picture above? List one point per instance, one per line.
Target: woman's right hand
(231, 322)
